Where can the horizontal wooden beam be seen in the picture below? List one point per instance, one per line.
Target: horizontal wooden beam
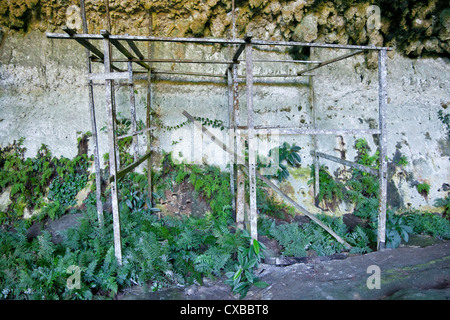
(87, 36)
(317, 45)
(187, 73)
(285, 61)
(107, 76)
(285, 131)
(135, 133)
(215, 41)
(176, 61)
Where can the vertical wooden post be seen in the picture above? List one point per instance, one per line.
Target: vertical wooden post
(382, 100)
(231, 135)
(133, 111)
(113, 104)
(112, 148)
(149, 111)
(239, 148)
(98, 177)
(312, 98)
(251, 141)
(113, 95)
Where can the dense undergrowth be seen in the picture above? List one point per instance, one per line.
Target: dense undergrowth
(172, 250)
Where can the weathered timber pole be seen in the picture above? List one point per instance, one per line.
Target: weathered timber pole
(112, 149)
(251, 140)
(382, 101)
(98, 177)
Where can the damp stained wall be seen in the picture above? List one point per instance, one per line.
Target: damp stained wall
(43, 92)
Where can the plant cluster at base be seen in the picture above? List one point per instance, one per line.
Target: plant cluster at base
(169, 251)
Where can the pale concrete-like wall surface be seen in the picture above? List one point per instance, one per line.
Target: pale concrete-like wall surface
(44, 97)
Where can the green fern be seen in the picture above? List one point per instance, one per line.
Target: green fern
(359, 240)
(292, 238)
(331, 191)
(443, 202)
(423, 188)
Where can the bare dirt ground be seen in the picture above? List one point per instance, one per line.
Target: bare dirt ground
(409, 272)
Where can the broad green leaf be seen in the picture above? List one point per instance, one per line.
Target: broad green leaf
(256, 246)
(240, 286)
(249, 276)
(260, 284)
(237, 274)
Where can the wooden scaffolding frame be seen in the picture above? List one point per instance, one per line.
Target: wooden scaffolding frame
(239, 167)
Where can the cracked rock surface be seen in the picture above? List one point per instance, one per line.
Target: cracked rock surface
(405, 273)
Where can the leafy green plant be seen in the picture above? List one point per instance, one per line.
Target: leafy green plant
(396, 230)
(156, 252)
(287, 155)
(363, 188)
(208, 181)
(295, 240)
(30, 177)
(320, 240)
(136, 202)
(64, 189)
(363, 154)
(243, 277)
(443, 202)
(403, 161)
(292, 238)
(445, 119)
(423, 189)
(428, 224)
(360, 240)
(216, 123)
(331, 191)
(53, 210)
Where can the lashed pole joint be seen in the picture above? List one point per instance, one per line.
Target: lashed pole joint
(240, 49)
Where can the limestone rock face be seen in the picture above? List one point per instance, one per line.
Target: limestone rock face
(306, 30)
(444, 34)
(413, 27)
